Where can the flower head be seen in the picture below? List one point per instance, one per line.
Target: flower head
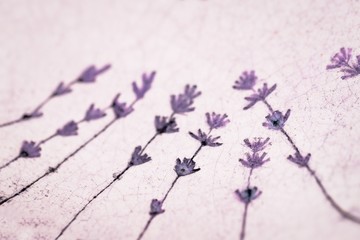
(138, 157)
(146, 85)
(183, 102)
(34, 114)
(257, 144)
(216, 120)
(261, 95)
(156, 207)
(299, 159)
(94, 113)
(30, 150)
(185, 167)
(276, 120)
(248, 195)
(254, 160)
(61, 89)
(69, 129)
(120, 109)
(246, 81)
(340, 59)
(90, 73)
(165, 125)
(205, 139)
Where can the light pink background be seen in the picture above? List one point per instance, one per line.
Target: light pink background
(208, 43)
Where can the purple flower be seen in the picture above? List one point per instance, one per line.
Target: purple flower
(216, 120)
(254, 160)
(138, 157)
(30, 150)
(185, 167)
(248, 195)
(120, 109)
(299, 159)
(165, 125)
(94, 113)
(261, 95)
(156, 207)
(340, 59)
(246, 81)
(61, 89)
(182, 103)
(257, 145)
(69, 129)
(205, 139)
(276, 120)
(34, 114)
(89, 74)
(146, 85)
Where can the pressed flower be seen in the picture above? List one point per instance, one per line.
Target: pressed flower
(216, 120)
(146, 85)
(205, 139)
(94, 113)
(276, 120)
(30, 150)
(61, 89)
(90, 73)
(246, 81)
(254, 160)
(248, 195)
(258, 144)
(156, 207)
(260, 95)
(183, 102)
(340, 59)
(120, 109)
(165, 125)
(138, 158)
(34, 114)
(185, 167)
(299, 159)
(69, 129)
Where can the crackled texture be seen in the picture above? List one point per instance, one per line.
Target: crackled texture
(207, 43)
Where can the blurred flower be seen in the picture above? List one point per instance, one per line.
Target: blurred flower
(138, 157)
(276, 120)
(254, 160)
(94, 113)
(299, 159)
(30, 150)
(89, 74)
(165, 125)
(146, 85)
(120, 109)
(246, 81)
(156, 207)
(34, 114)
(340, 59)
(185, 167)
(261, 95)
(257, 145)
(205, 139)
(216, 120)
(61, 89)
(248, 195)
(182, 103)
(69, 129)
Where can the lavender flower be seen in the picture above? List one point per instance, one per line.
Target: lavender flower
(261, 95)
(138, 158)
(254, 160)
(34, 114)
(183, 102)
(156, 207)
(216, 120)
(120, 109)
(248, 195)
(69, 129)
(30, 150)
(340, 59)
(89, 74)
(299, 159)
(185, 167)
(94, 113)
(257, 145)
(165, 125)
(246, 81)
(146, 81)
(276, 120)
(205, 139)
(61, 89)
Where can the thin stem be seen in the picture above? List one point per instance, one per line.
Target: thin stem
(146, 227)
(47, 139)
(197, 151)
(42, 104)
(54, 169)
(243, 225)
(10, 162)
(268, 106)
(12, 122)
(147, 144)
(334, 204)
(171, 187)
(90, 201)
(290, 140)
(248, 180)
